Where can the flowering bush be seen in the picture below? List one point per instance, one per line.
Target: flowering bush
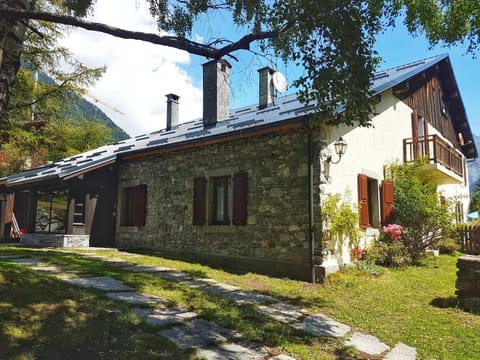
(358, 253)
(389, 249)
(394, 230)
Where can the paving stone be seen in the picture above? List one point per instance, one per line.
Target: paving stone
(146, 268)
(198, 333)
(234, 352)
(26, 261)
(67, 275)
(49, 268)
(367, 344)
(195, 284)
(220, 289)
(322, 325)
(10, 256)
(248, 297)
(164, 316)
(102, 283)
(402, 352)
(207, 281)
(282, 312)
(137, 298)
(174, 276)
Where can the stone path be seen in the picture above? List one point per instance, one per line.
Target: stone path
(210, 340)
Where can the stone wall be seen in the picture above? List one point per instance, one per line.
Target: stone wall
(275, 239)
(468, 282)
(55, 240)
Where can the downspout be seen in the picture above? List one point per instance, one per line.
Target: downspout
(311, 233)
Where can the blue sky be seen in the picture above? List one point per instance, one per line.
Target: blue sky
(396, 47)
(139, 74)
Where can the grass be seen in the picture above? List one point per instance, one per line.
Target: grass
(415, 306)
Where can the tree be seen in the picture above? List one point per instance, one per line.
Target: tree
(332, 40)
(38, 104)
(475, 203)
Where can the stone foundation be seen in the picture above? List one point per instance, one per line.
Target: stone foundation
(468, 282)
(55, 240)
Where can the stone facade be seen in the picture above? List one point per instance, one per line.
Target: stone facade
(275, 239)
(55, 240)
(468, 282)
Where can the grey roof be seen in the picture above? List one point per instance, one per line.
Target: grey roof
(248, 118)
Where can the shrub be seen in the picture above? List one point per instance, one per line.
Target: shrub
(389, 250)
(339, 222)
(424, 219)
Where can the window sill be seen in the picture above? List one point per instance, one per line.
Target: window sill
(219, 229)
(129, 229)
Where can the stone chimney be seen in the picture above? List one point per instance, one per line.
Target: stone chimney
(172, 110)
(216, 91)
(266, 90)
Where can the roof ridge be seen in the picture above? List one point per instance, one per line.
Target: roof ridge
(440, 56)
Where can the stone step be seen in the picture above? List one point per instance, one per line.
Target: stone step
(402, 352)
(164, 316)
(367, 344)
(319, 324)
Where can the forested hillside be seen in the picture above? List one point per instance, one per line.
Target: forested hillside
(80, 108)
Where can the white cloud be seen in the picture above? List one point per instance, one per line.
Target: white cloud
(138, 74)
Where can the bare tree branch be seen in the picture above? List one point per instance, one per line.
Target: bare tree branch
(180, 43)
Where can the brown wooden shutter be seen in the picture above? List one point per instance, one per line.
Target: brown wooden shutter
(140, 205)
(388, 201)
(199, 201)
(240, 192)
(363, 200)
(9, 208)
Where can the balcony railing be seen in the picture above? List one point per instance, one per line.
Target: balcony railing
(435, 150)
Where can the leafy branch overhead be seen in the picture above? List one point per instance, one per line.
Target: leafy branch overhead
(331, 40)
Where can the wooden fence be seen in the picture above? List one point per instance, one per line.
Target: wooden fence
(470, 239)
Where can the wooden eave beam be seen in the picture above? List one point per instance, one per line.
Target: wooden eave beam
(197, 144)
(90, 169)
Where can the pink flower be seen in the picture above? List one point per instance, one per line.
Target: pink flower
(394, 230)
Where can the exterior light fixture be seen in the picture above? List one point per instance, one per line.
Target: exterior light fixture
(340, 146)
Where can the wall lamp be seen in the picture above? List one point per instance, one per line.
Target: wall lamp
(340, 146)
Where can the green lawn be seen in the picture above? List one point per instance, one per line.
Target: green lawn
(415, 306)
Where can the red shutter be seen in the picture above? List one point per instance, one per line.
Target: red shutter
(199, 197)
(388, 201)
(240, 190)
(140, 205)
(363, 200)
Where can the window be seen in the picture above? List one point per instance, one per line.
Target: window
(79, 210)
(225, 197)
(459, 213)
(51, 212)
(371, 205)
(220, 203)
(134, 205)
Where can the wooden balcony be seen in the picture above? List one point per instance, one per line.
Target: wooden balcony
(443, 161)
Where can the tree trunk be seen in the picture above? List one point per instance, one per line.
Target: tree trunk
(12, 35)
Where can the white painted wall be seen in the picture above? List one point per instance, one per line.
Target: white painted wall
(368, 151)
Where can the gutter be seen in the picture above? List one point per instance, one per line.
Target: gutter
(311, 233)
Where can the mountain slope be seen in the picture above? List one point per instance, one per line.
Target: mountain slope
(80, 108)
(474, 168)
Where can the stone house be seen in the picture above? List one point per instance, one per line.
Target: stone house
(242, 189)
